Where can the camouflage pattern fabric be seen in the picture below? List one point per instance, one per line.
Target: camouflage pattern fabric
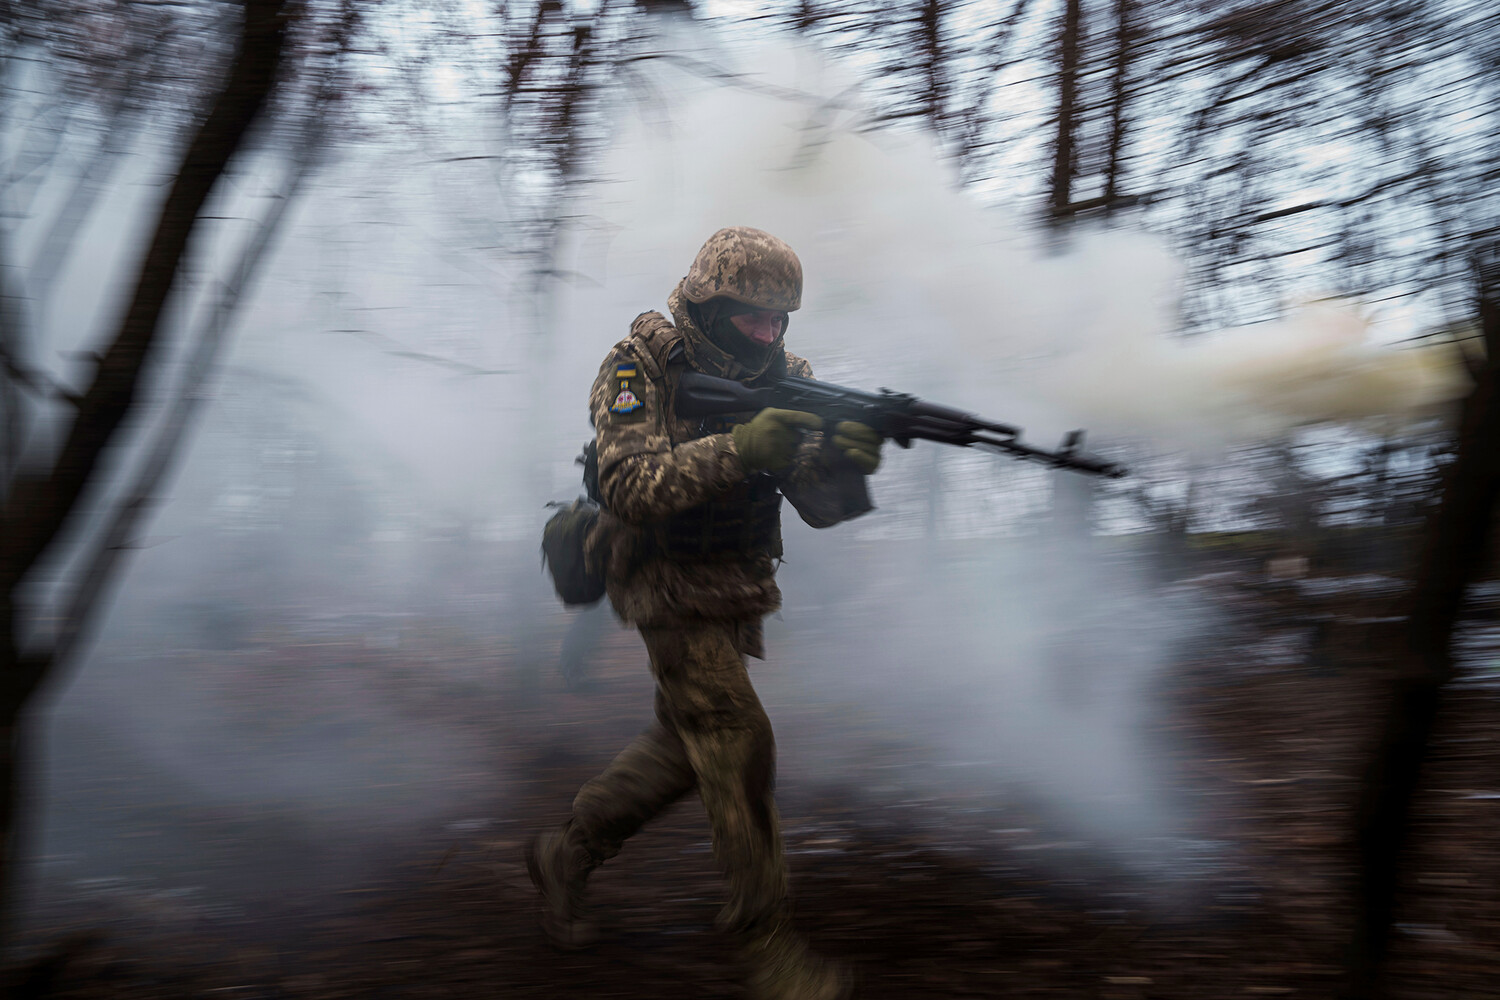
(700, 616)
(749, 266)
(712, 734)
(653, 465)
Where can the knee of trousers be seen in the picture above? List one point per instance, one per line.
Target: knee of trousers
(738, 762)
(737, 742)
(745, 725)
(609, 809)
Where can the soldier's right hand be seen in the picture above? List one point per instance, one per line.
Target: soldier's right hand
(770, 440)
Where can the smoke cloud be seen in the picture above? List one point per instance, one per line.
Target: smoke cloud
(392, 387)
(1024, 658)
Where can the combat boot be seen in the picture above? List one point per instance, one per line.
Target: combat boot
(559, 867)
(783, 967)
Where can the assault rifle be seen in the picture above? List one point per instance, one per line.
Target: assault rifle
(899, 416)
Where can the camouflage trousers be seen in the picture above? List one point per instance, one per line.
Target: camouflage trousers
(712, 734)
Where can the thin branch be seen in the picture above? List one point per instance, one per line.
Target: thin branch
(38, 506)
(140, 497)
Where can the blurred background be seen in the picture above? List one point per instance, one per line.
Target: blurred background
(300, 303)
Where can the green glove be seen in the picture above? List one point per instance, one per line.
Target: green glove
(859, 443)
(770, 440)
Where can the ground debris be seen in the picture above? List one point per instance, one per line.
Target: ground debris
(927, 896)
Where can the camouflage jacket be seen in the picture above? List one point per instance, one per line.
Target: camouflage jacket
(655, 467)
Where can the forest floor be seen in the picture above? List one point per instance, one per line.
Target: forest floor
(949, 893)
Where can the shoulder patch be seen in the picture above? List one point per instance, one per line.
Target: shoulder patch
(626, 402)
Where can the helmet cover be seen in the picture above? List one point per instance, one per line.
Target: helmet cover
(746, 265)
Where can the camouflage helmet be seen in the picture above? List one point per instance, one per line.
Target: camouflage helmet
(748, 266)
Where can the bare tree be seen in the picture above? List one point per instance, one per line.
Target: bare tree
(1064, 142)
(1455, 546)
(1119, 102)
(42, 497)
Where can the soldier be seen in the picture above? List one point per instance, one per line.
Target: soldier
(688, 542)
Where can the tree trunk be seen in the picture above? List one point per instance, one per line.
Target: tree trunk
(1119, 102)
(39, 504)
(1064, 150)
(930, 44)
(1455, 542)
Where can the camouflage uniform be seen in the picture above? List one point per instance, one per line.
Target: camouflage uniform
(689, 542)
(654, 466)
(699, 613)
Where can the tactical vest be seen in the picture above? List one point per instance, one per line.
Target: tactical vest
(746, 520)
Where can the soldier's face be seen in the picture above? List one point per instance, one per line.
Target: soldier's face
(760, 326)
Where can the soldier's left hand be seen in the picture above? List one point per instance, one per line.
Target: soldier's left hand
(860, 443)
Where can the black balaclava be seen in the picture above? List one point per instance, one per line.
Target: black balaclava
(714, 319)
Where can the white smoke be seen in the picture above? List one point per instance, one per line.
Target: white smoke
(912, 284)
(910, 281)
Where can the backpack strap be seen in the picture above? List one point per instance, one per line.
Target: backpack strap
(654, 337)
